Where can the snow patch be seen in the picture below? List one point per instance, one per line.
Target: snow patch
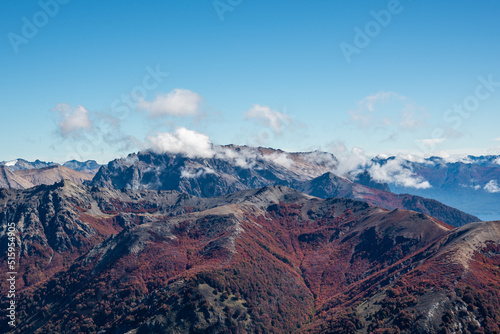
(11, 163)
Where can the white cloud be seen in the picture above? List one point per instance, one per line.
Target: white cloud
(74, 119)
(322, 159)
(346, 161)
(183, 141)
(270, 118)
(247, 157)
(179, 102)
(243, 158)
(492, 187)
(193, 174)
(394, 171)
(350, 161)
(279, 159)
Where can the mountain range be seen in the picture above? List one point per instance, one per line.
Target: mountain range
(89, 166)
(265, 260)
(238, 168)
(27, 178)
(471, 184)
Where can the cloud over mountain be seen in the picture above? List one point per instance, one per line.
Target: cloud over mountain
(182, 141)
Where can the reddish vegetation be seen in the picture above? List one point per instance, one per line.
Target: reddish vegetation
(104, 227)
(301, 264)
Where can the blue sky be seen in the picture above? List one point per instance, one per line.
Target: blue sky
(248, 72)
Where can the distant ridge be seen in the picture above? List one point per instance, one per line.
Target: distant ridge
(52, 174)
(22, 174)
(89, 166)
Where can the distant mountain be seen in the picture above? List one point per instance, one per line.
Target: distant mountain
(268, 260)
(238, 168)
(20, 164)
(89, 166)
(234, 168)
(471, 185)
(331, 185)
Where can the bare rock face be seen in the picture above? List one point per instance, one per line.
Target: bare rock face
(259, 260)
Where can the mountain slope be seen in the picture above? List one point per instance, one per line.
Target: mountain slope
(27, 178)
(11, 180)
(60, 222)
(259, 260)
(52, 174)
